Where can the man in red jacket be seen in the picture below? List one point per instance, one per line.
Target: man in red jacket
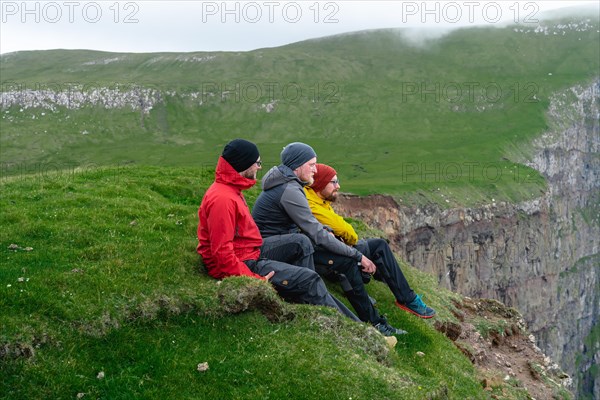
(230, 242)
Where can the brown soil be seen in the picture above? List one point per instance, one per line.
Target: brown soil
(507, 356)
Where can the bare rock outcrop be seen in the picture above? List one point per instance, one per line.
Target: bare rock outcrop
(541, 257)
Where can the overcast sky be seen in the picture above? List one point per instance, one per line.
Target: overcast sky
(184, 26)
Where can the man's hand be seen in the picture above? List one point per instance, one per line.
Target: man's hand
(367, 265)
(269, 276)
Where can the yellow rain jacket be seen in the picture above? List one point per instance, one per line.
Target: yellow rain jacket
(325, 214)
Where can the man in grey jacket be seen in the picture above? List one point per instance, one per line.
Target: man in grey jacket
(282, 208)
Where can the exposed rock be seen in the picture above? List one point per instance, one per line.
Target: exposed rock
(540, 256)
(202, 367)
(75, 97)
(500, 352)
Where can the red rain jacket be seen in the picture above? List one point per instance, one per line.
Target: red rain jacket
(227, 234)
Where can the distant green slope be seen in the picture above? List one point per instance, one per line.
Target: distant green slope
(103, 277)
(391, 116)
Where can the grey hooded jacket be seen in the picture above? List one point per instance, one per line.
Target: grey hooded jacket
(282, 208)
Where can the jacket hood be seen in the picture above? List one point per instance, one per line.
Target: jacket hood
(227, 175)
(311, 195)
(278, 176)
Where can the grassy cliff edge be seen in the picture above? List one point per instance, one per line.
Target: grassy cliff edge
(102, 297)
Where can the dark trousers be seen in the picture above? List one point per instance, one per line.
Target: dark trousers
(295, 279)
(388, 270)
(357, 294)
(292, 248)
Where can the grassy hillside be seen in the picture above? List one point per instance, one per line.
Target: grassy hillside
(102, 297)
(104, 278)
(451, 116)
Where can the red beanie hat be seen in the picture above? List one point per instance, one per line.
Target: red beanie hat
(322, 177)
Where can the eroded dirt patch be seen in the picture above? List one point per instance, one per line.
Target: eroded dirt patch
(494, 337)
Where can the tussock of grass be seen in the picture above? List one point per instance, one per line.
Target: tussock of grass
(239, 294)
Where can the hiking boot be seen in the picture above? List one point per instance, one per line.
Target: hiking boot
(387, 330)
(417, 307)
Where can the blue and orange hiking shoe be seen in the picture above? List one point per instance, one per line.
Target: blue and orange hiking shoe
(417, 307)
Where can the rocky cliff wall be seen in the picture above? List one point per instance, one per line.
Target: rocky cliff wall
(541, 256)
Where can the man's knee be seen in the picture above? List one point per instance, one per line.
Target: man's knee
(303, 243)
(312, 281)
(378, 244)
(351, 271)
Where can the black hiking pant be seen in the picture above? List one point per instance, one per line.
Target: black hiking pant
(356, 294)
(388, 270)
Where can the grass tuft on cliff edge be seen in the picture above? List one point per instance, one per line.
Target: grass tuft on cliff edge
(102, 297)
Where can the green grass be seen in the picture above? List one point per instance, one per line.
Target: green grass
(112, 284)
(364, 107)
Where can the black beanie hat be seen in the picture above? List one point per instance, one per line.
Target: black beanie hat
(240, 154)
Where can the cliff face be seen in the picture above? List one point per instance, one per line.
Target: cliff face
(541, 256)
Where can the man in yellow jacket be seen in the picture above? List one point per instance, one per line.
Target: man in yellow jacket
(320, 195)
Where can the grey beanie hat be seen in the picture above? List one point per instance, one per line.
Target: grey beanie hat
(295, 154)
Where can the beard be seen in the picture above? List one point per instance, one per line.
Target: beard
(332, 197)
(249, 174)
